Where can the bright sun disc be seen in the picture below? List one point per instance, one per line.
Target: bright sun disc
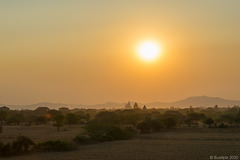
(148, 50)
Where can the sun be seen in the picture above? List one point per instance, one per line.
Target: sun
(149, 50)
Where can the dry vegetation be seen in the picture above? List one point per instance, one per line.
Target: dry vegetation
(121, 134)
(40, 133)
(189, 144)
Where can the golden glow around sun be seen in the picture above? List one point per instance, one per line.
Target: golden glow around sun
(149, 50)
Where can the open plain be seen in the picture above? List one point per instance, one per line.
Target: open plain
(181, 143)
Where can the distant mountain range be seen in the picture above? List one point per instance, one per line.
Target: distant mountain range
(198, 101)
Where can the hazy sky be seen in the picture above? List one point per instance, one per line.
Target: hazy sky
(83, 51)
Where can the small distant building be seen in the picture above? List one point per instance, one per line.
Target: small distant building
(171, 108)
(128, 105)
(144, 107)
(216, 108)
(135, 106)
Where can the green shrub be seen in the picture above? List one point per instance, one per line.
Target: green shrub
(57, 145)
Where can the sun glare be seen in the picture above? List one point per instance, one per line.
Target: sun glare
(149, 50)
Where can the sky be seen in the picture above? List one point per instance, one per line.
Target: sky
(84, 51)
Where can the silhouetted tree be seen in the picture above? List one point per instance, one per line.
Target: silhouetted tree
(176, 115)
(130, 117)
(22, 145)
(64, 109)
(52, 113)
(194, 118)
(144, 127)
(170, 122)
(228, 118)
(4, 108)
(3, 116)
(71, 119)
(108, 117)
(41, 120)
(87, 117)
(209, 121)
(16, 119)
(30, 119)
(41, 111)
(59, 119)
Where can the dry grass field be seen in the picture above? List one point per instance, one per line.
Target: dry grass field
(183, 144)
(39, 133)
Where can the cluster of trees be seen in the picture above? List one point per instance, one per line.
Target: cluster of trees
(43, 115)
(20, 146)
(24, 145)
(151, 120)
(145, 120)
(109, 125)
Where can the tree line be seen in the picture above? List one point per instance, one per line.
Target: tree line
(145, 120)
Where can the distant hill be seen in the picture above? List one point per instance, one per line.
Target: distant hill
(197, 101)
(108, 105)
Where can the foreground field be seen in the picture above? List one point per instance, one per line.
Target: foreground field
(184, 144)
(39, 133)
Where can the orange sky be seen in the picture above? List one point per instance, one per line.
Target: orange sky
(84, 51)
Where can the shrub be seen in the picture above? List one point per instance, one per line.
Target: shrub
(57, 145)
(83, 139)
(106, 132)
(150, 125)
(170, 122)
(144, 127)
(108, 117)
(20, 146)
(222, 126)
(209, 121)
(6, 150)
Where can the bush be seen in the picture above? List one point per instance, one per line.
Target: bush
(222, 126)
(57, 145)
(209, 121)
(144, 127)
(6, 150)
(149, 125)
(83, 139)
(106, 132)
(170, 122)
(21, 146)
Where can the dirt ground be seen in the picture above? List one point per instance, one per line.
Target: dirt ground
(40, 133)
(183, 144)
